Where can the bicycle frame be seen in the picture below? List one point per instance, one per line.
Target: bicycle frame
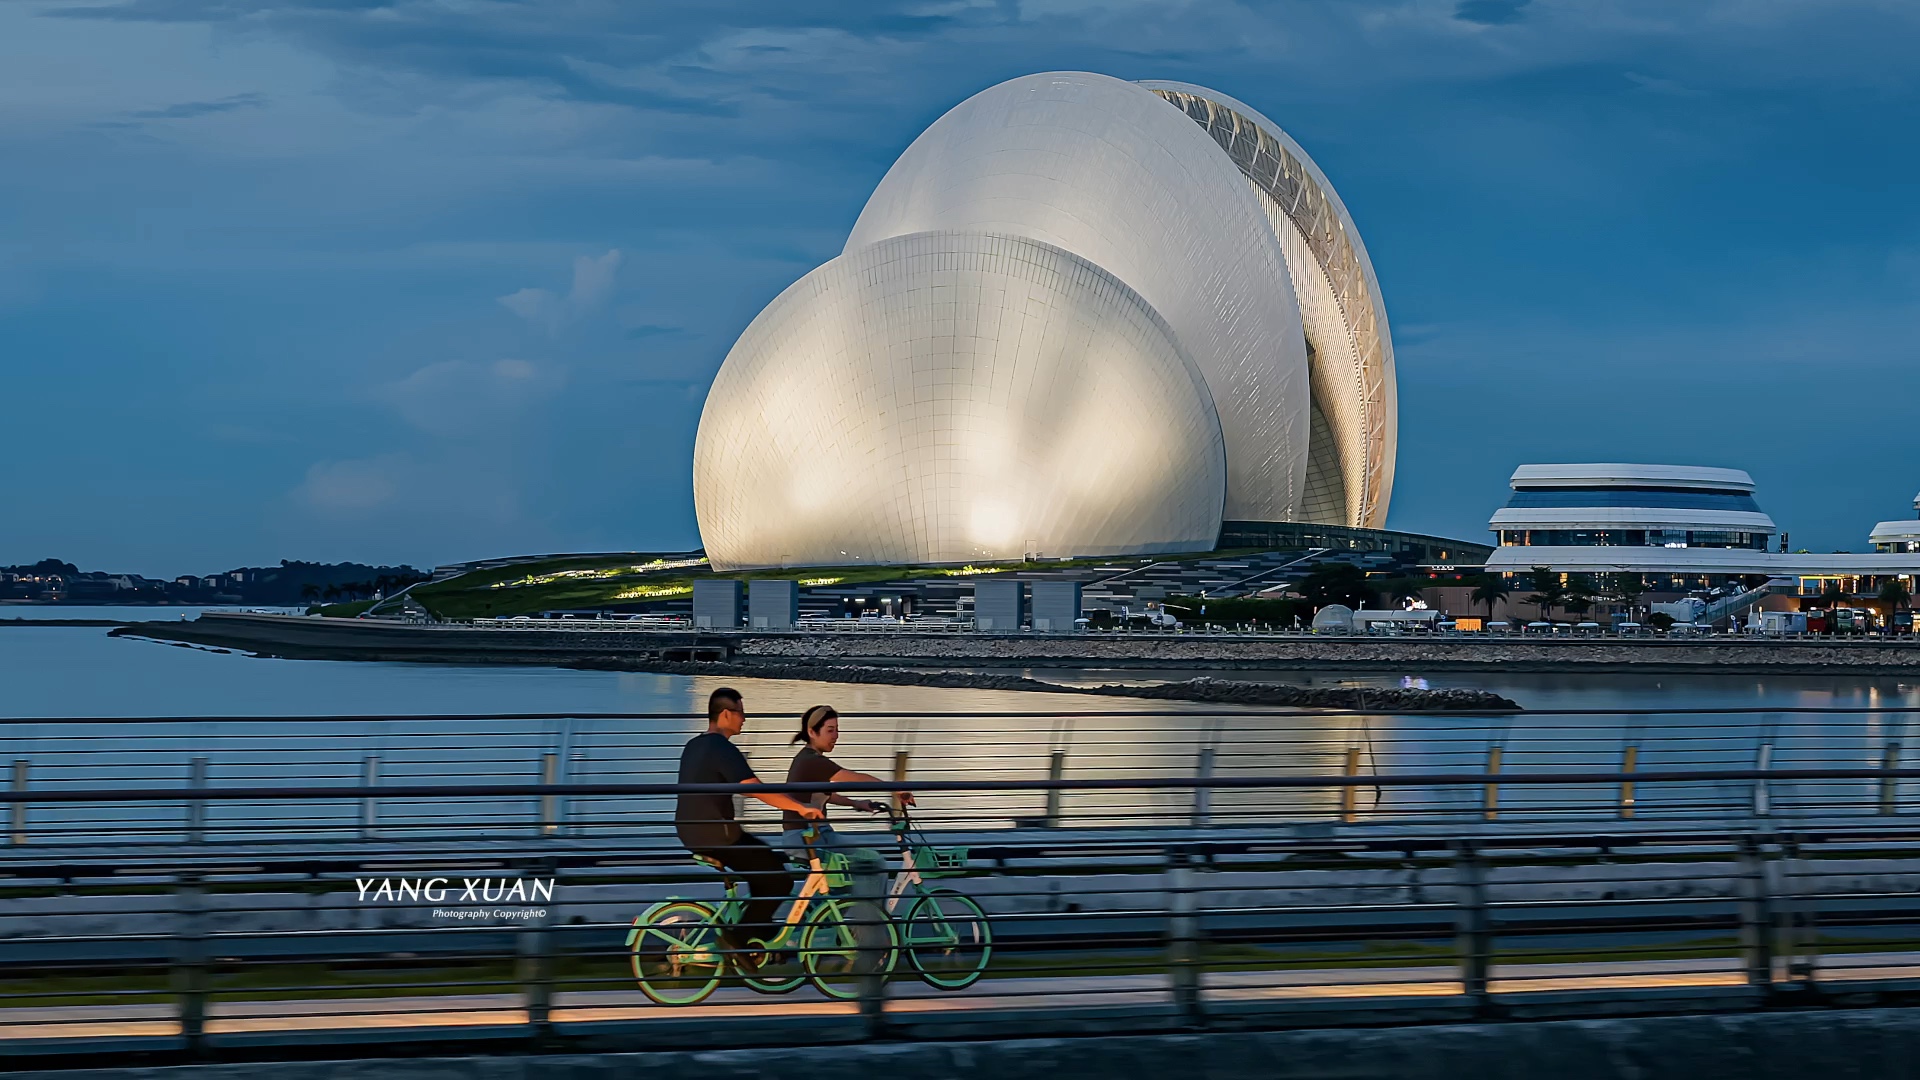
(908, 876)
(728, 911)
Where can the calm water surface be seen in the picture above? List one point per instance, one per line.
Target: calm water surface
(79, 672)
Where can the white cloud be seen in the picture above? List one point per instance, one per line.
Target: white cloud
(456, 398)
(350, 488)
(592, 286)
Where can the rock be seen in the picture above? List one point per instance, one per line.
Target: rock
(1204, 689)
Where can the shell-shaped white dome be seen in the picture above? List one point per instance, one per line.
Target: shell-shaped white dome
(1355, 403)
(945, 396)
(1112, 172)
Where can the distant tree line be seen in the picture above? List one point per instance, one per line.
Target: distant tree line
(291, 583)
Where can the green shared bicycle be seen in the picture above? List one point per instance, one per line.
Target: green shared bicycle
(833, 941)
(943, 932)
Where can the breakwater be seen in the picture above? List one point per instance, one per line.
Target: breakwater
(621, 647)
(1205, 689)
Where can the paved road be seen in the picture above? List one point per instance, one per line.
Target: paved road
(474, 1010)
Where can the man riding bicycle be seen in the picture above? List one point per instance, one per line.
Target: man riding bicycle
(705, 823)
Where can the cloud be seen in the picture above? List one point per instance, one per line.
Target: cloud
(592, 285)
(189, 109)
(350, 488)
(1490, 12)
(466, 398)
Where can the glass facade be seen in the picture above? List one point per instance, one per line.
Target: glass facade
(1653, 498)
(1705, 538)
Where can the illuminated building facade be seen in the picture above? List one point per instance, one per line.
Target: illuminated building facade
(1078, 316)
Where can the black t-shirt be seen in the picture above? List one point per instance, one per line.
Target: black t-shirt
(705, 819)
(809, 766)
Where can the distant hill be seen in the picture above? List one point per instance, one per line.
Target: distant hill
(289, 584)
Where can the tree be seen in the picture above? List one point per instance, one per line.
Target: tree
(1400, 589)
(1335, 583)
(1895, 595)
(309, 592)
(1548, 592)
(1491, 589)
(1580, 594)
(1626, 588)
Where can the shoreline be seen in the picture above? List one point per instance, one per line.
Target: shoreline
(313, 638)
(1204, 689)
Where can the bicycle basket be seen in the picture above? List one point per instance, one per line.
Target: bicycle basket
(834, 866)
(939, 861)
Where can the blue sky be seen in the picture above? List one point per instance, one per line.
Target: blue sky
(342, 279)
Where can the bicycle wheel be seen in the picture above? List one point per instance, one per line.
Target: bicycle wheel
(844, 942)
(782, 976)
(947, 939)
(677, 956)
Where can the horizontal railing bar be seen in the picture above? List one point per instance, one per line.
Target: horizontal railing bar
(1212, 709)
(407, 791)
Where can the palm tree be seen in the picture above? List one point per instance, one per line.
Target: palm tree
(1492, 589)
(1626, 588)
(1895, 594)
(1403, 588)
(1580, 594)
(1548, 592)
(309, 592)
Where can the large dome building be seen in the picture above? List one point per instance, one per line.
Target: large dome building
(1079, 316)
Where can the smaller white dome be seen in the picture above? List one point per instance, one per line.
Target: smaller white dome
(1333, 619)
(942, 397)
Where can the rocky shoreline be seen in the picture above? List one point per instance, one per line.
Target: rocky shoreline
(1206, 690)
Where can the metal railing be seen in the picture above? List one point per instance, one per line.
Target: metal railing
(1791, 766)
(225, 947)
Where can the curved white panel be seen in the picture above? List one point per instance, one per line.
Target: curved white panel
(941, 397)
(1107, 170)
(1339, 297)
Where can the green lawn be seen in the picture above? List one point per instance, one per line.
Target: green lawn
(588, 583)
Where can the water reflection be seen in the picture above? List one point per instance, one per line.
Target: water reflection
(78, 672)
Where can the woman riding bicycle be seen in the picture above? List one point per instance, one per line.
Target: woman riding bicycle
(820, 732)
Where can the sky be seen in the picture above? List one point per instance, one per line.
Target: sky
(432, 281)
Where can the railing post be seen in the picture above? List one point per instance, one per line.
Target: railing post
(535, 945)
(1890, 784)
(1183, 936)
(1491, 809)
(872, 960)
(1202, 794)
(1628, 760)
(369, 806)
(190, 959)
(902, 760)
(1350, 793)
(1762, 796)
(1473, 936)
(1756, 914)
(197, 807)
(1056, 770)
(576, 768)
(18, 812)
(549, 804)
